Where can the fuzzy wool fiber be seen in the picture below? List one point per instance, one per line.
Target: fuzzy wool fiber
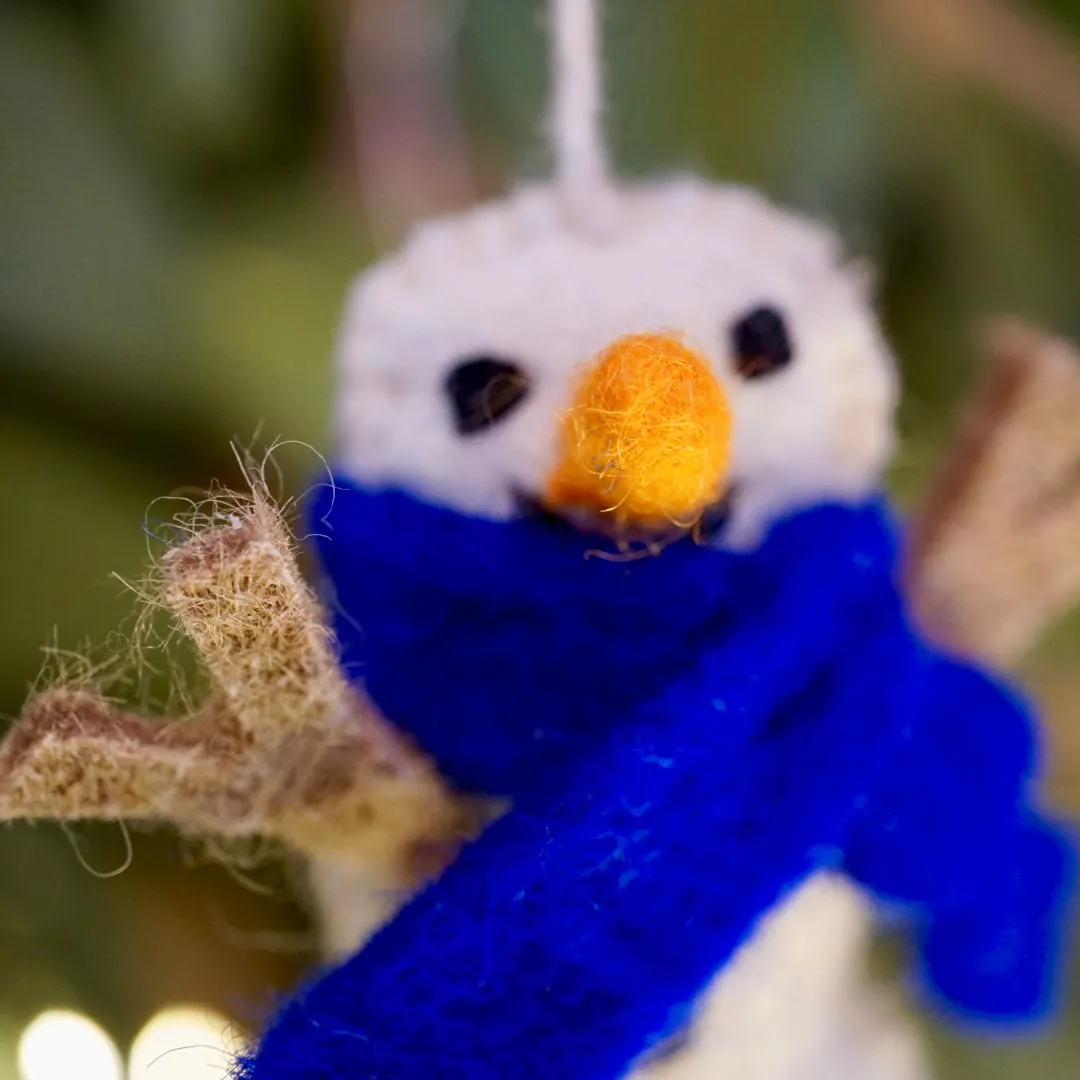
(687, 737)
(648, 438)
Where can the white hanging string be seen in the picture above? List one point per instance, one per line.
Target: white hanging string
(581, 162)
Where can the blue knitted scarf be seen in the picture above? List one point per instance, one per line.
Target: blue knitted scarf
(686, 736)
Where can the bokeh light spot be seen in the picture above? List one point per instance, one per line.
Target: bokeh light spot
(61, 1045)
(183, 1043)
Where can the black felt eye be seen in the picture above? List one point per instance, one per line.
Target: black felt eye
(484, 390)
(760, 343)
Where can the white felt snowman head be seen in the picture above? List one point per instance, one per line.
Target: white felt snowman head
(462, 356)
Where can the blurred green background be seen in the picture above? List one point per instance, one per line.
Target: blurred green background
(186, 187)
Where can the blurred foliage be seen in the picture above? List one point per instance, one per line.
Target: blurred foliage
(178, 231)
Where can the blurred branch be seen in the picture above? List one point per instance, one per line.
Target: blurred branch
(1009, 49)
(409, 144)
(995, 550)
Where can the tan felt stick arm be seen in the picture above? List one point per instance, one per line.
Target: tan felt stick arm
(283, 748)
(995, 549)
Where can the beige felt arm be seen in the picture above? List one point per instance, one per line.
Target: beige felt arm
(995, 547)
(283, 748)
(74, 755)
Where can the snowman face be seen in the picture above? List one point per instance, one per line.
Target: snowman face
(459, 355)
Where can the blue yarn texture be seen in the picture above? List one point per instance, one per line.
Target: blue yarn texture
(686, 737)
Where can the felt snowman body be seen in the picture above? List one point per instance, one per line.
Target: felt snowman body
(523, 281)
(583, 435)
(712, 717)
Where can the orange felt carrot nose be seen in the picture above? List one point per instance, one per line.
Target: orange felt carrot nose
(647, 439)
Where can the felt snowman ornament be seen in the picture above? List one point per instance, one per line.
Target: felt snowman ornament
(606, 538)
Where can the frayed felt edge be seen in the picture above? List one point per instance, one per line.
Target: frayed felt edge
(280, 746)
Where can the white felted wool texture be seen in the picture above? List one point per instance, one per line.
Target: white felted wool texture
(576, 114)
(517, 280)
(794, 1003)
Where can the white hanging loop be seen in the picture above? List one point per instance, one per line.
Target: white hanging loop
(582, 177)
